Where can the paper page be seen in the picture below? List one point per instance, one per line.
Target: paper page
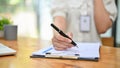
(5, 50)
(84, 50)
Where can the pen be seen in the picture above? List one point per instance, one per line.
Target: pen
(63, 34)
(45, 51)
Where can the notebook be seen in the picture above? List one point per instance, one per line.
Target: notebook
(85, 51)
(5, 50)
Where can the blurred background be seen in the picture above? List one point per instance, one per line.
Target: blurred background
(33, 18)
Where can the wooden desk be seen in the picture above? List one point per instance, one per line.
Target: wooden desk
(110, 57)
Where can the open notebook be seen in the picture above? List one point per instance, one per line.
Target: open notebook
(5, 50)
(85, 51)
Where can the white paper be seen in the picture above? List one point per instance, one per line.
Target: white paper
(85, 50)
(5, 50)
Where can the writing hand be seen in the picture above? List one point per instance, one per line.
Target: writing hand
(61, 43)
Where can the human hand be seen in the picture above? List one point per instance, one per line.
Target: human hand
(62, 43)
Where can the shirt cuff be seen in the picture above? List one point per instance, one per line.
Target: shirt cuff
(59, 13)
(112, 18)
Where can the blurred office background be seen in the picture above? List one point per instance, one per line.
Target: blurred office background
(33, 18)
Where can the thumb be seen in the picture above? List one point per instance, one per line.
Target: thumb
(70, 34)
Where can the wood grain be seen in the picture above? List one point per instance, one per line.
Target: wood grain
(109, 57)
(108, 41)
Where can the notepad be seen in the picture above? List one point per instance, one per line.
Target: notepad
(85, 51)
(5, 50)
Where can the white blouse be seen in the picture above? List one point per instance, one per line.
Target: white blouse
(71, 10)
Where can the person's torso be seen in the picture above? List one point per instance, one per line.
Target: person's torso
(76, 9)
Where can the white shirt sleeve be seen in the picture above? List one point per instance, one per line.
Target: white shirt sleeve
(111, 8)
(58, 8)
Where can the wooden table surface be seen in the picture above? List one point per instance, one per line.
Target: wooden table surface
(109, 57)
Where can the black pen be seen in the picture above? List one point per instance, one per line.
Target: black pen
(63, 34)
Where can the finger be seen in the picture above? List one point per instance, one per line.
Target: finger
(62, 43)
(70, 34)
(59, 49)
(59, 44)
(64, 39)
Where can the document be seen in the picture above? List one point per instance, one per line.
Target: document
(5, 50)
(86, 51)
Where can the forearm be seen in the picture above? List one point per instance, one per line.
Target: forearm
(102, 19)
(60, 22)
